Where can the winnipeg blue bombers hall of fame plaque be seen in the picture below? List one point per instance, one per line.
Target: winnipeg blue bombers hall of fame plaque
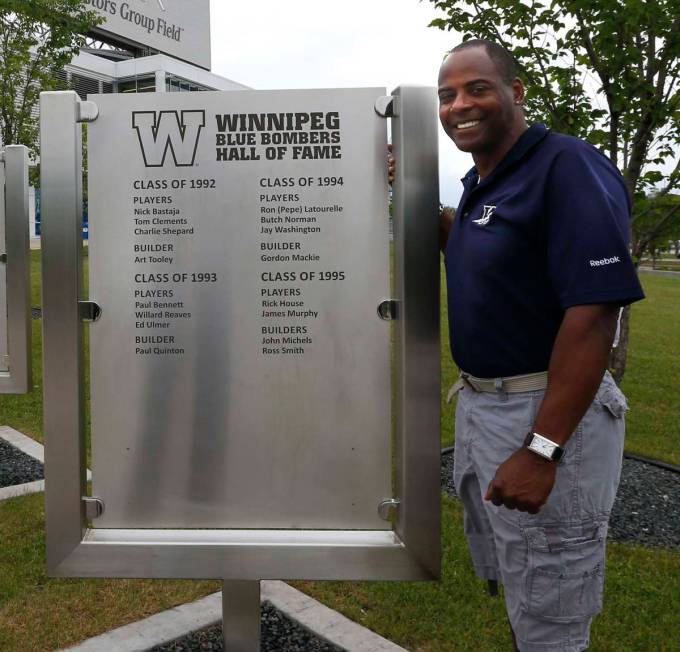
(264, 359)
(239, 249)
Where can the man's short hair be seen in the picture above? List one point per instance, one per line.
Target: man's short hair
(502, 58)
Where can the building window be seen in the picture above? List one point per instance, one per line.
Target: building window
(178, 85)
(137, 85)
(146, 85)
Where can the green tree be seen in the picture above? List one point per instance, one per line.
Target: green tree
(655, 223)
(37, 39)
(606, 71)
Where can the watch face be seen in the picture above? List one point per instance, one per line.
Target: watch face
(544, 447)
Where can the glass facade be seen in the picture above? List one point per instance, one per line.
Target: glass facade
(178, 85)
(146, 84)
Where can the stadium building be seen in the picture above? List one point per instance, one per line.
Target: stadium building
(144, 46)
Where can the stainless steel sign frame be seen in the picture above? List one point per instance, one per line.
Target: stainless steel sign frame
(408, 549)
(180, 28)
(15, 307)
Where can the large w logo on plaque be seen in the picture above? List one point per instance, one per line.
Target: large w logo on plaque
(177, 131)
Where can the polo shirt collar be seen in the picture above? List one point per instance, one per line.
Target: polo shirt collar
(531, 137)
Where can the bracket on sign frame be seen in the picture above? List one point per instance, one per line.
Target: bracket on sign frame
(388, 507)
(387, 310)
(94, 507)
(89, 311)
(387, 106)
(87, 112)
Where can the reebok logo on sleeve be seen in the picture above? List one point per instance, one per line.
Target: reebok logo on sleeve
(605, 261)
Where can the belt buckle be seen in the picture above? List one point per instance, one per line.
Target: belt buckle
(500, 390)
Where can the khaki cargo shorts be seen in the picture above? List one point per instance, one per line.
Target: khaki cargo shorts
(551, 563)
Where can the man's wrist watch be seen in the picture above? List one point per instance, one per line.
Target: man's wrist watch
(544, 447)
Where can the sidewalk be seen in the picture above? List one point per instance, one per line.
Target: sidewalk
(658, 272)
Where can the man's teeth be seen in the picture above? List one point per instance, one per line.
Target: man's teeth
(467, 125)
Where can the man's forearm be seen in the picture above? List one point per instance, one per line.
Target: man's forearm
(579, 359)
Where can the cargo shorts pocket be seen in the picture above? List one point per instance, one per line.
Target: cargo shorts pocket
(612, 399)
(565, 578)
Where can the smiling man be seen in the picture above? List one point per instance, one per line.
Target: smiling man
(537, 268)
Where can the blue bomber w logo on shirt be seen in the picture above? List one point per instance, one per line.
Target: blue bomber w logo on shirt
(547, 229)
(486, 216)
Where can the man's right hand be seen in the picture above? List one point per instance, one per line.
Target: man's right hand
(446, 215)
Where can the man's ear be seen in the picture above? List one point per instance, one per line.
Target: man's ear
(517, 91)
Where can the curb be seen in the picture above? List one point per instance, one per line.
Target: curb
(173, 624)
(158, 629)
(658, 463)
(24, 489)
(31, 448)
(323, 621)
(630, 456)
(23, 443)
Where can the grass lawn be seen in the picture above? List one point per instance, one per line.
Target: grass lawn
(652, 379)
(456, 614)
(24, 413)
(40, 613)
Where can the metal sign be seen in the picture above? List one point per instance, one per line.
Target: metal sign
(230, 454)
(180, 28)
(239, 258)
(15, 311)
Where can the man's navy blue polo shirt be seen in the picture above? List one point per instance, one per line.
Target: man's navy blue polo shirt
(546, 230)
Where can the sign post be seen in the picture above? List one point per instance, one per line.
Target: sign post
(15, 309)
(248, 420)
(4, 349)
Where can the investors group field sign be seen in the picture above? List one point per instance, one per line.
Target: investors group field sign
(180, 28)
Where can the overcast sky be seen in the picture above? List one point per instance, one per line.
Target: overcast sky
(349, 43)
